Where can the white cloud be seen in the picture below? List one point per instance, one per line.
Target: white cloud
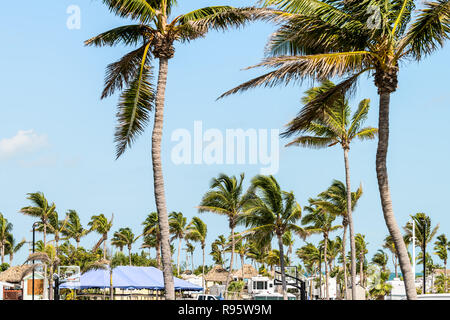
(24, 142)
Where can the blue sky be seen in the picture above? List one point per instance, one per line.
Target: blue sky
(56, 135)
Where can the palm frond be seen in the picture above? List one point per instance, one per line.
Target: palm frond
(134, 9)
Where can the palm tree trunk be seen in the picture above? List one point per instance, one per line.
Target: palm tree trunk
(396, 266)
(158, 179)
(325, 258)
(178, 255)
(78, 243)
(231, 263)
(158, 254)
(344, 258)
(129, 255)
(361, 270)
(350, 223)
(3, 252)
(111, 288)
(283, 275)
(45, 232)
(104, 247)
(242, 266)
(203, 266)
(386, 203)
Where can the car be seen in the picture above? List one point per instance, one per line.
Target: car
(208, 297)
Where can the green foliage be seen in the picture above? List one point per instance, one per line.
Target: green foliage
(236, 286)
(4, 266)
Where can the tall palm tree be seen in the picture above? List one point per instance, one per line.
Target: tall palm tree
(55, 227)
(118, 241)
(128, 238)
(74, 229)
(190, 248)
(5, 229)
(361, 251)
(390, 245)
(226, 197)
(197, 231)
(151, 227)
(154, 34)
(12, 247)
(270, 213)
(335, 201)
(441, 248)
(101, 225)
(178, 227)
(312, 259)
(320, 221)
(346, 39)
(41, 209)
(288, 241)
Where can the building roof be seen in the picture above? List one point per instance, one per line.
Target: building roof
(15, 274)
(248, 270)
(217, 274)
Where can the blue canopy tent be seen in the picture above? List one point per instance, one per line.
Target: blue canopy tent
(128, 277)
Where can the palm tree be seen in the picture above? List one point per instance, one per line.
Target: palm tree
(288, 241)
(5, 229)
(178, 228)
(149, 242)
(335, 201)
(217, 250)
(49, 259)
(320, 221)
(118, 241)
(190, 248)
(326, 39)
(242, 249)
(128, 239)
(270, 213)
(74, 229)
(41, 209)
(154, 35)
(361, 251)
(441, 248)
(381, 259)
(151, 227)
(55, 227)
(102, 226)
(226, 197)
(12, 247)
(197, 231)
(312, 259)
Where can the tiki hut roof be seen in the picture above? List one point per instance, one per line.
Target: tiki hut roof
(249, 272)
(16, 274)
(217, 274)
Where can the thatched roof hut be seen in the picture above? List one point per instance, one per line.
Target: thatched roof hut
(15, 274)
(217, 274)
(249, 272)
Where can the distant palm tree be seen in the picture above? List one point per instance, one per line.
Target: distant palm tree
(346, 39)
(381, 259)
(12, 247)
(102, 226)
(56, 227)
(320, 221)
(217, 250)
(74, 229)
(312, 259)
(50, 260)
(335, 126)
(5, 229)
(190, 248)
(41, 209)
(118, 241)
(242, 249)
(441, 249)
(197, 231)
(154, 34)
(149, 242)
(226, 197)
(270, 213)
(178, 227)
(151, 227)
(335, 201)
(128, 238)
(288, 241)
(390, 245)
(361, 251)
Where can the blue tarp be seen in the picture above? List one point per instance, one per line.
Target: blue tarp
(128, 277)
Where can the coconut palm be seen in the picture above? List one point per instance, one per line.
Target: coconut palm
(346, 39)
(361, 251)
(128, 239)
(270, 213)
(101, 225)
(178, 227)
(118, 241)
(226, 197)
(441, 248)
(151, 227)
(320, 221)
(49, 258)
(41, 209)
(5, 229)
(288, 241)
(197, 231)
(190, 248)
(335, 201)
(218, 247)
(312, 259)
(154, 34)
(381, 259)
(55, 227)
(12, 247)
(149, 242)
(242, 249)
(74, 229)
